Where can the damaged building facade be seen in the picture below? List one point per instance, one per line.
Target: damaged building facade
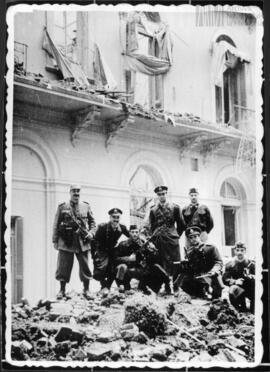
(122, 102)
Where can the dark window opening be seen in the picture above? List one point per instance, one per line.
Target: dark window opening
(194, 165)
(229, 225)
(16, 244)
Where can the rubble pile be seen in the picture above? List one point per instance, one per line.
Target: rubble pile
(145, 312)
(131, 326)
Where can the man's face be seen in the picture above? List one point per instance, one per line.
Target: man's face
(194, 240)
(240, 253)
(193, 197)
(162, 196)
(75, 195)
(134, 234)
(115, 219)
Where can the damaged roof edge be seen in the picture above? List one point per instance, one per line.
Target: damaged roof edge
(100, 101)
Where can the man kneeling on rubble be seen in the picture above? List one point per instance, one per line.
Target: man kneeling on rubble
(138, 258)
(240, 277)
(200, 274)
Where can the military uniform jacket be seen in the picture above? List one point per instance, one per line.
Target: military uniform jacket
(63, 213)
(198, 215)
(234, 270)
(205, 258)
(167, 216)
(125, 249)
(167, 225)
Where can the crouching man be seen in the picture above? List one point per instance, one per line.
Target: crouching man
(125, 257)
(240, 277)
(139, 259)
(106, 238)
(200, 274)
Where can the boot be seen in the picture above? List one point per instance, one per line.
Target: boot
(86, 292)
(62, 293)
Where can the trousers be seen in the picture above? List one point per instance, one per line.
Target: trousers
(65, 263)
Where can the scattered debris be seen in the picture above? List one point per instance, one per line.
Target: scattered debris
(144, 328)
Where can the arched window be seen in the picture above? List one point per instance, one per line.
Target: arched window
(141, 185)
(225, 38)
(232, 195)
(228, 191)
(230, 82)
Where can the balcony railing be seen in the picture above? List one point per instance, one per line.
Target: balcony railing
(242, 118)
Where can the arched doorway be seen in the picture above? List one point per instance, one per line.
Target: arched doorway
(141, 184)
(233, 199)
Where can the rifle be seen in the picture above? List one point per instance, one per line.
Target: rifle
(80, 227)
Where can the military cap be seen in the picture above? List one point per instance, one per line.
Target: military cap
(114, 211)
(240, 245)
(75, 187)
(193, 230)
(193, 190)
(133, 227)
(160, 188)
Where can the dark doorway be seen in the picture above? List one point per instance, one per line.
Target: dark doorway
(229, 225)
(16, 245)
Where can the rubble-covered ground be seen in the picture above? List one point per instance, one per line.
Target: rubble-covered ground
(131, 327)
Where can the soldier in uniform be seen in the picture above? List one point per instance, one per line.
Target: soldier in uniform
(201, 272)
(125, 257)
(196, 214)
(239, 275)
(165, 235)
(73, 230)
(139, 259)
(106, 238)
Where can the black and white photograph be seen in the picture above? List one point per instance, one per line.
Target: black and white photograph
(134, 186)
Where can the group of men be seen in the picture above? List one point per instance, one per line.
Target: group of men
(150, 255)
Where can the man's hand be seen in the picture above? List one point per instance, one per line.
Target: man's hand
(55, 245)
(132, 257)
(89, 236)
(239, 282)
(212, 273)
(225, 294)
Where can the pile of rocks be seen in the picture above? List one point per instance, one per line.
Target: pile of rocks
(130, 327)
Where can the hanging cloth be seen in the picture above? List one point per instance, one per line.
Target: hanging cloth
(69, 68)
(102, 71)
(225, 56)
(146, 64)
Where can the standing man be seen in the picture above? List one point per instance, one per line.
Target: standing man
(196, 214)
(73, 230)
(240, 277)
(106, 238)
(200, 274)
(165, 235)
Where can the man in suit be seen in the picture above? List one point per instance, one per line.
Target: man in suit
(239, 275)
(73, 231)
(196, 214)
(166, 225)
(106, 238)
